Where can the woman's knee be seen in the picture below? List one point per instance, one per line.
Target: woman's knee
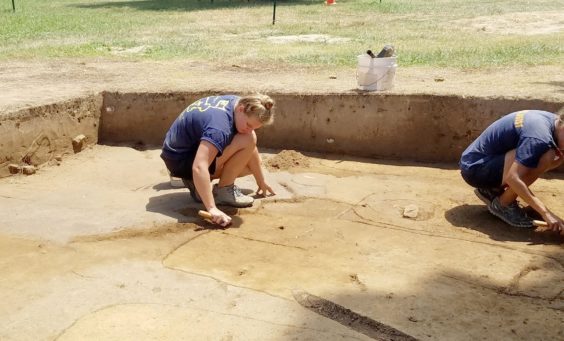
(245, 140)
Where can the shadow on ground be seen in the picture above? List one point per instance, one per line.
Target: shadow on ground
(477, 217)
(180, 206)
(192, 5)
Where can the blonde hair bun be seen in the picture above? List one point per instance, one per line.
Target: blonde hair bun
(260, 106)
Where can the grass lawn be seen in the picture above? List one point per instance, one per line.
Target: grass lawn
(434, 33)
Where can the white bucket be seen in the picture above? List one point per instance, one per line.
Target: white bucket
(376, 73)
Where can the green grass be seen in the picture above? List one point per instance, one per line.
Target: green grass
(424, 32)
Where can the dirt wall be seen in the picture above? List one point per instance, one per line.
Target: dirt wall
(36, 135)
(408, 127)
(424, 128)
(141, 118)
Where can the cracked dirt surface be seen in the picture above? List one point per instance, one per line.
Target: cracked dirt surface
(93, 250)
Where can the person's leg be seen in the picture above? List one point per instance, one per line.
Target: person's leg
(231, 165)
(509, 196)
(505, 206)
(486, 178)
(235, 158)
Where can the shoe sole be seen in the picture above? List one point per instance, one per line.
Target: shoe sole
(481, 197)
(502, 218)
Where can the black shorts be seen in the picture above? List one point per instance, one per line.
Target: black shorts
(183, 168)
(486, 175)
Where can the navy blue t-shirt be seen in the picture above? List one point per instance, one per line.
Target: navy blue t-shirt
(529, 132)
(208, 119)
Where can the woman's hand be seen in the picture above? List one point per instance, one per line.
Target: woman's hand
(554, 223)
(218, 217)
(264, 189)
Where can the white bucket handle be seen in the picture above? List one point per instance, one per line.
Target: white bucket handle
(376, 82)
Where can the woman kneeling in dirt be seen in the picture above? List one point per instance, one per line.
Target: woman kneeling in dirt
(508, 157)
(214, 138)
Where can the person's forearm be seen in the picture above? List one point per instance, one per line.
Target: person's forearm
(203, 185)
(256, 168)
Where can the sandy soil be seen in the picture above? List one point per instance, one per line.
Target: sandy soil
(91, 250)
(27, 84)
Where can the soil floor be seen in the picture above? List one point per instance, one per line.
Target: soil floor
(91, 250)
(102, 247)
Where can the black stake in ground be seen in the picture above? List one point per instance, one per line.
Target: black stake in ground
(273, 13)
(13, 5)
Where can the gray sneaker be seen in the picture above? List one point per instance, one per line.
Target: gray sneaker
(512, 214)
(231, 196)
(190, 185)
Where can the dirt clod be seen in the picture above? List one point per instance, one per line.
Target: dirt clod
(14, 169)
(411, 211)
(28, 170)
(78, 143)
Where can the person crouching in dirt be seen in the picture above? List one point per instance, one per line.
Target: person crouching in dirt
(508, 157)
(214, 138)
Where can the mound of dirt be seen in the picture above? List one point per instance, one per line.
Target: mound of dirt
(287, 159)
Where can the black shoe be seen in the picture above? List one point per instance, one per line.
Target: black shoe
(190, 185)
(512, 214)
(487, 195)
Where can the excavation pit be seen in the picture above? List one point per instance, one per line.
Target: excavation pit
(97, 244)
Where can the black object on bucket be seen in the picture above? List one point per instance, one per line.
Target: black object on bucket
(387, 51)
(369, 52)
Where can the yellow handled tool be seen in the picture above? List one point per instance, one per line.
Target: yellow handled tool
(205, 214)
(540, 223)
